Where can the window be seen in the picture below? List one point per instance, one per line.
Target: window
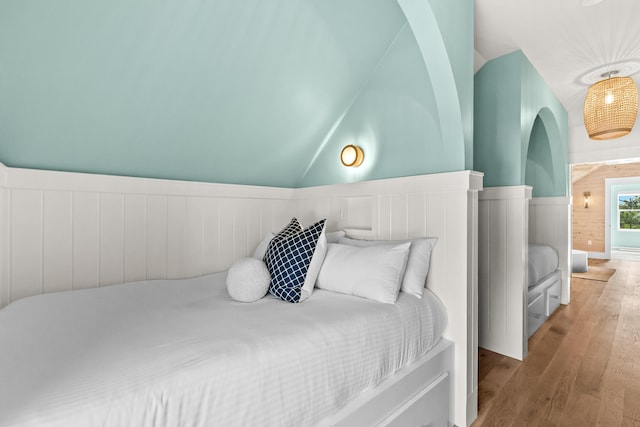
(628, 212)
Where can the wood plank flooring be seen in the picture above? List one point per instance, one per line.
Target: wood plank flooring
(583, 366)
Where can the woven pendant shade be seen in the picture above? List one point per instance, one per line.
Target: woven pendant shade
(610, 108)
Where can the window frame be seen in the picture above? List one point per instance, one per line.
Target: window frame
(633, 194)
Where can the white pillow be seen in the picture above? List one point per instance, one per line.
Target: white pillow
(415, 276)
(373, 272)
(334, 236)
(248, 280)
(314, 268)
(262, 246)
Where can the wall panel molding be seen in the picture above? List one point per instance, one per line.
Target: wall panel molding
(503, 214)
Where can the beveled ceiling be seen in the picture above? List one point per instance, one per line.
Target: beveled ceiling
(563, 39)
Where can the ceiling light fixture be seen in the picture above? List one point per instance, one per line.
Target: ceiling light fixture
(611, 107)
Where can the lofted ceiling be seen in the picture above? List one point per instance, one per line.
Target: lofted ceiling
(219, 91)
(564, 40)
(248, 92)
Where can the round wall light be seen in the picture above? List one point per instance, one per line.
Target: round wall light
(352, 155)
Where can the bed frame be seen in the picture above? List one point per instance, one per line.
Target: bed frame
(61, 231)
(543, 299)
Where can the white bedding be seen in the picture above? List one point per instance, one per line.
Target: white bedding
(183, 353)
(543, 260)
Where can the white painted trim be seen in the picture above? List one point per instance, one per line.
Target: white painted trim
(4, 237)
(29, 179)
(506, 193)
(440, 182)
(563, 201)
(599, 255)
(502, 277)
(372, 406)
(608, 183)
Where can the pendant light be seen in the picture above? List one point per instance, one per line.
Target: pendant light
(611, 107)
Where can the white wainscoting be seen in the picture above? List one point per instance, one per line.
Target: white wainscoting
(439, 205)
(71, 231)
(502, 269)
(550, 224)
(62, 231)
(4, 238)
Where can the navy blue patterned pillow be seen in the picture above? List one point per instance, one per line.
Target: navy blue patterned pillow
(288, 257)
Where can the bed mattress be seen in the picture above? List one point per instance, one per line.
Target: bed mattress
(182, 352)
(543, 260)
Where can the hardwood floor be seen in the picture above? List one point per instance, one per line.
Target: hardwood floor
(583, 366)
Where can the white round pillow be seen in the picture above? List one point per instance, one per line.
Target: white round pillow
(248, 280)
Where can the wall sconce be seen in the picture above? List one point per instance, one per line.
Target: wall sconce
(352, 155)
(586, 194)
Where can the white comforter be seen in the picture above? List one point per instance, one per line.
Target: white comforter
(182, 353)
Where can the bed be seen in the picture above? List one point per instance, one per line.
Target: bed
(544, 285)
(63, 231)
(182, 352)
(509, 309)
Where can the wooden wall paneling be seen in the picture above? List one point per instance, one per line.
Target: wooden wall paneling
(484, 272)
(195, 263)
(228, 245)
(436, 223)
(135, 237)
(307, 211)
(240, 220)
(157, 215)
(502, 279)
(4, 239)
(211, 229)
(472, 303)
(496, 288)
(57, 241)
(517, 273)
(589, 223)
(384, 217)
(460, 208)
(276, 216)
(176, 237)
(254, 233)
(111, 238)
(399, 216)
(86, 238)
(26, 243)
(451, 206)
(99, 230)
(417, 214)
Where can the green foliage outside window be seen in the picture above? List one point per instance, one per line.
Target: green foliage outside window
(629, 212)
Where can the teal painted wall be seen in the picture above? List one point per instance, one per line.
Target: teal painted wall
(456, 23)
(623, 239)
(539, 171)
(249, 92)
(520, 128)
(410, 117)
